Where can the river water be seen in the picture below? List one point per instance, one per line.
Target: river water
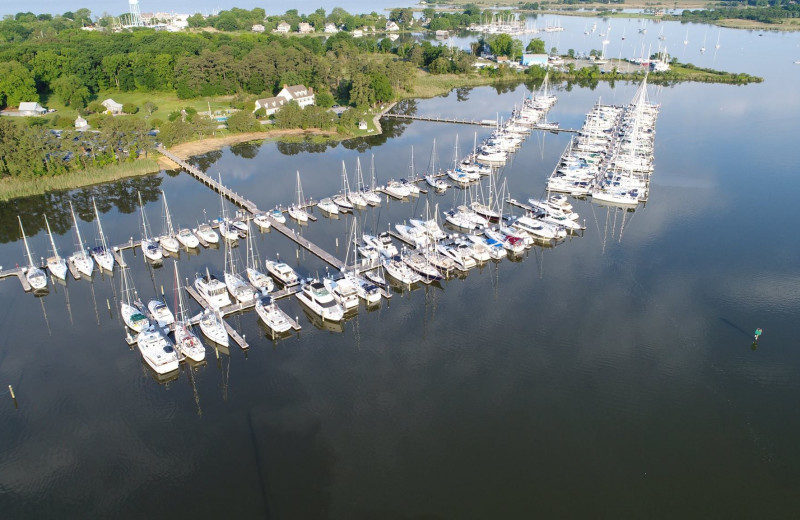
(611, 376)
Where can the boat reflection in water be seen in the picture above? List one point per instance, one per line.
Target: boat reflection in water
(318, 322)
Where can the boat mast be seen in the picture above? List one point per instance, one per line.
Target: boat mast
(25, 240)
(144, 222)
(78, 231)
(170, 230)
(52, 242)
(299, 192)
(372, 168)
(99, 227)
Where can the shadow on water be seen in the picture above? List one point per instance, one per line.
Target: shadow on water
(734, 326)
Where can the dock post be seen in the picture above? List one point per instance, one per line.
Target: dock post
(13, 397)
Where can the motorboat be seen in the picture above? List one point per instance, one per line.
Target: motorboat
(459, 253)
(382, 242)
(35, 276)
(212, 327)
(397, 269)
(535, 227)
(227, 231)
(372, 198)
(494, 248)
(240, 226)
(188, 239)
(369, 252)
(149, 246)
(422, 266)
(157, 351)
(207, 233)
(412, 188)
(282, 272)
(436, 183)
(278, 216)
(82, 262)
(262, 221)
(328, 206)
(56, 263)
(343, 291)
(430, 227)
(368, 291)
(397, 190)
(512, 244)
(416, 236)
(159, 310)
(101, 253)
(212, 290)
(238, 288)
(272, 315)
(318, 299)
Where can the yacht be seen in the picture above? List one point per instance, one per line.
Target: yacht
(459, 253)
(382, 242)
(416, 236)
(397, 190)
(186, 341)
(161, 313)
(212, 327)
(430, 227)
(535, 227)
(269, 312)
(418, 263)
(207, 233)
(513, 244)
(212, 290)
(167, 239)
(35, 276)
(282, 272)
(328, 206)
(188, 239)
(262, 221)
(318, 299)
(157, 351)
(278, 216)
(397, 269)
(56, 264)
(494, 248)
(436, 183)
(149, 246)
(343, 291)
(368, 291)
(412, 188)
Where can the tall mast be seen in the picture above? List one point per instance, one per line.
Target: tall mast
(170, 231)
(99, 227)
(144, 222)
(52, 242)
(25, 240)
(78, 231)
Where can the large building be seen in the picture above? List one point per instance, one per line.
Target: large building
(298, 93)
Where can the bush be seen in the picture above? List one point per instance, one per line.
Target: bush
(156, 122)
(129, 108)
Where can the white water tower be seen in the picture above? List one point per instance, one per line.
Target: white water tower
(136, 15)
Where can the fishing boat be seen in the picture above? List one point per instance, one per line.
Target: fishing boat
(56, 264)
(212, 290)
(296, 211)
(149, 247)
(131, 315)
(35, 276)
(278, 321)
(262, 221)
(212, 327)
(318, 299)
(159, 310)
(101, 253)
(207, 233)
(186, 341)
(157, 351)
(239, 289)
(167, 239)
(259, 280)
(82, 262)
(282, 272)
(188, 239)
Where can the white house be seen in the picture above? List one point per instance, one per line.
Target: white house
(330, 28)
(283, 27)
(298, 93)
(81, 124)
(362, 125)
(258, 28)
(358, 33)
(391, 26)
(31, 108)
(112, 107)
(304, 28)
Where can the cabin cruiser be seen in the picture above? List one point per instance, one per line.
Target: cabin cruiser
(343, 291)
(282, 272)
(187, 238)
(269, 312)
(207, 233)
(212, 290)
(161, 313)
(318, 299)
(382, 242)
(157, 351)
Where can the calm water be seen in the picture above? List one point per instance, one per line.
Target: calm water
(611, 376)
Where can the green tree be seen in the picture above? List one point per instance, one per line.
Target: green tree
(324, 99)
(149, 107)
(16, 84)
(501, 45)
(535, 46)
(129, 108)
(242, 121)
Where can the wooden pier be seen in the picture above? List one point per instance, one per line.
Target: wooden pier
(484, 123)
(17, 271)
(307, 244)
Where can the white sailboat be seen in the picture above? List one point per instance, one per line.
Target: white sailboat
(167, 239)
(240, 290)
(226, 228)
(149, 246)
(342, 199)
(130, 313)
(259, 280)
(703, 48)
(296, 211)
(273, 316)
(35, 276)
(356, 197)
(101, 253)
(186, 341)
(82, 262)
(212, 327)
(56, 264)
(686, 38)
(717, 45)
(371, 195)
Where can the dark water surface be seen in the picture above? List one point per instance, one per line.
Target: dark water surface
(611, 376)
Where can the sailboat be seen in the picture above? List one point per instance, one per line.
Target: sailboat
(82, 262)
(101, 253)
(356, 197)
(296, 211)
(149, 246)
(227, 231)
(35, 276)
(365, 290)
(237, 287)
(56, 264)
(260, 281)
(212, 327)
(186, 342)
(273, 316)
(342, 199)
(717, 45)
(370, 195)
(167, 239)
(703, 48)
(661, 34)
(128, 310)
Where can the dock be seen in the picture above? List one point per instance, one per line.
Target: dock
(485, 123)
(307, 244)
(17, 271)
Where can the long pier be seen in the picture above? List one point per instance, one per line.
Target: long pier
(485, 123)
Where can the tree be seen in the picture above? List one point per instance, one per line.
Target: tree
(536, 46)
(129, 108)
(242, 121)
(501, 45)
(71, 91)
(16, 84)
(440, 65)
(381, 88)
(324, 99)
(149, 107)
